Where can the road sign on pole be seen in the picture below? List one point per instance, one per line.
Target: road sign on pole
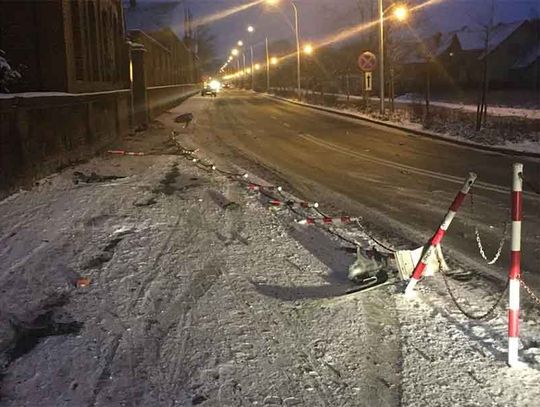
(368, 81)
(367, 61)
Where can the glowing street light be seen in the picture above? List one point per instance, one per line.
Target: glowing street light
(401, 12)
(308, 49)
(250, 29)
(297, 34)
(273, 61)
(240, 43)
(257, 67)
(234, 52)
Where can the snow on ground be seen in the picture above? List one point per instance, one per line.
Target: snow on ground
(200, 295)
(504, 111)
(491, 110)
(494, 136)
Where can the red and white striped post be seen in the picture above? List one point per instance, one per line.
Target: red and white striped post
(343, 220)
(438, 236)
(515, 266)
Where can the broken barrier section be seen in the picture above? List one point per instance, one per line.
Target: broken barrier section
(439, 235)
(343, 220)
(406, 261)
(122, 152)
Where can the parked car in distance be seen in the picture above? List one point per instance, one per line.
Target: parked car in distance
(211, 88)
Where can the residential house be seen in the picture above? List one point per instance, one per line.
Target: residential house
(458, 58)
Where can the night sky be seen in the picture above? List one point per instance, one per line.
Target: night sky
(319, 19)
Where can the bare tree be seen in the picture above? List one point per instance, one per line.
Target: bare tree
(487, 30)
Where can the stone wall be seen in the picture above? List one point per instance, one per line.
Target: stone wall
(161, 98)
(41, 133)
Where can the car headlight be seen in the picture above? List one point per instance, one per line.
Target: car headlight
(215, 85)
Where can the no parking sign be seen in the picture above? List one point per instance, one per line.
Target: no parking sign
(367, 61)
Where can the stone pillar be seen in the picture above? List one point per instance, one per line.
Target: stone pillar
(138, 86)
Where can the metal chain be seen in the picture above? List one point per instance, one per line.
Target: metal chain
(472, 199)
(363, 229)
(465, 312)
(530, 291)
(479, 241)
(459, 307)
(499, 250)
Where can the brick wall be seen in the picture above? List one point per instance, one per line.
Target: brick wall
(161, 98)
(41, 133)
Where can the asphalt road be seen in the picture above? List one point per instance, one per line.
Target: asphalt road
(401, 183)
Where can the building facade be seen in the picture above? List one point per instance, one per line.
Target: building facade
(70, 46)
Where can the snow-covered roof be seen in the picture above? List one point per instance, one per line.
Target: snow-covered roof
(469, 38)
(154, 16)
(474, 38)
(415, 52)
(444, 43)
(529, 58)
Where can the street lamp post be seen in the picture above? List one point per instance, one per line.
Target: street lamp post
(381, 57)
(400, 13)
(252, 69)
(297, 34)
(298, 84)
(250, 29)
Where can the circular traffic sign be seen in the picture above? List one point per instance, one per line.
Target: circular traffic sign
(367, 61)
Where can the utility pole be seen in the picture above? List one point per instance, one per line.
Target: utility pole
(252, 70)
(298, 83)
(381, 57)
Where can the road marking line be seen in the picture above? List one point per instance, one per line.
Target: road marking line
(418, 171)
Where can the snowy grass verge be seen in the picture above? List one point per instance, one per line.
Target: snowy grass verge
(525, 147)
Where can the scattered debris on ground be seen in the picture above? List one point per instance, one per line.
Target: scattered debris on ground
(178, 286)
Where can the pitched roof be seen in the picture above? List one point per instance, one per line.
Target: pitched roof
(469, 38)
(419, 52)
(474, 38)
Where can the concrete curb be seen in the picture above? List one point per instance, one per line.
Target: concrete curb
(470, 144)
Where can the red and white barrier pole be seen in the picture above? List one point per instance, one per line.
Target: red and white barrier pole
(122, 152)
(343, 220)
(515, 266)
(300, 204)
(439, 235)
(257, 187)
